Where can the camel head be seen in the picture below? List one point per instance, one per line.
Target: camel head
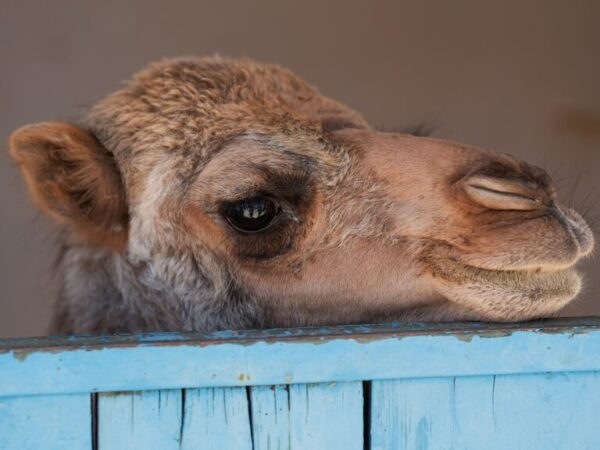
(216, 193)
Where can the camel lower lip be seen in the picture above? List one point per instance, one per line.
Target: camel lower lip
(536, 283)
(504, 295)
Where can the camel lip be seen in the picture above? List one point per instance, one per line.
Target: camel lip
(453, 256)
(506, 295)
(533, 269)
(455, 271)
(444, 253)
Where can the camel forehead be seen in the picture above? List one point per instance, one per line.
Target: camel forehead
(193, 95)
(193, 106)
(188, 108)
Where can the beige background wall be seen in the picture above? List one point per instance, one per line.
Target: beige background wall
(518, 76)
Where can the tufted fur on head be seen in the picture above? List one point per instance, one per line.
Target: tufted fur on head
(162, 187)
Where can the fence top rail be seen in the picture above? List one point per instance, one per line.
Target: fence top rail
(305, 334)
(78, 364)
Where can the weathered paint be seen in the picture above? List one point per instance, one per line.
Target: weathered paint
(57, 422)
(139, 420)
(314, 334)
(533, 411)
(372, 353)
(216, 418)
(326, 416)
(307, 416)
(271, 425)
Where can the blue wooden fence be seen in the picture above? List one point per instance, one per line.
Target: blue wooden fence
(402, 386)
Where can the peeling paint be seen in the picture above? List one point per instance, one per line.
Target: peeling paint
(464, 337)
(363, 334)
(21, 348)
(244, 377)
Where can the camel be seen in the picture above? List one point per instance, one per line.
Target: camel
(215, 193)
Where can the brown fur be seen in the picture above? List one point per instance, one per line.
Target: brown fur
(373, 226)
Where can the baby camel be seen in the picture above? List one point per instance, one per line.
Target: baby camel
(214, 193)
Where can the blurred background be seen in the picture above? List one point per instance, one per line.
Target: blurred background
(518, 76)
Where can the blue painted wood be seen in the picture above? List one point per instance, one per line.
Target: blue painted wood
(550, 411)
(140, 420)
(533, 411)
(326, 416)
(293, 356)
(271, 417)
(216, 418)
(49, 422)
(414, 414)
(492, 386)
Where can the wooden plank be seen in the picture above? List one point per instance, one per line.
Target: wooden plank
(534, 411)
(46, 422)
(326, 416)
(550, 411)
(402, 412)
(162, 361)
(271, 417)
(140, 420)
(216, 418)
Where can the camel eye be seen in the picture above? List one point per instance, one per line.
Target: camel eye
(252, 215)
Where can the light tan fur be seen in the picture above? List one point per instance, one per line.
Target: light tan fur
(373, 226)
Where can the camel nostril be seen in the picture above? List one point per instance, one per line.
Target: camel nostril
(505, 193)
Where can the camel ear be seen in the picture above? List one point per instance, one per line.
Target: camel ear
(73, 179)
